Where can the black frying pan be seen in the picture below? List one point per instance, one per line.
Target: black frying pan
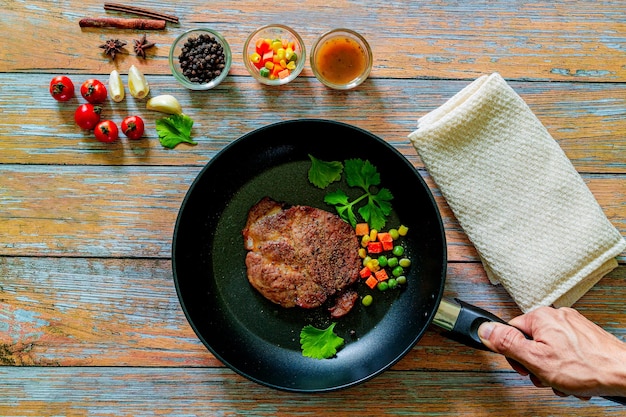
(259, 339)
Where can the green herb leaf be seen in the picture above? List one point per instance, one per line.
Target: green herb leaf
(364, 175)
(174, 129)
(344, 208)
(320, 343)
(360, 173)
(378, 208)
(322, 173)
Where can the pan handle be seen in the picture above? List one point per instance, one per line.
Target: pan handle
(462, 321)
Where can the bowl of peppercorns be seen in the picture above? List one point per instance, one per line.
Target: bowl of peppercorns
(200, 59)
(274, 54)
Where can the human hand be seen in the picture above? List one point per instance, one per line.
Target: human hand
(567, 352)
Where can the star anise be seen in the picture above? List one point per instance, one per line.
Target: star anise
(141, 46)
(113, 47)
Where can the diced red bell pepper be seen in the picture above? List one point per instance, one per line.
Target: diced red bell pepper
(374, 247)
(267, 56)
(262, 46)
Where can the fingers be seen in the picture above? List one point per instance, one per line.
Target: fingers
(503, 339)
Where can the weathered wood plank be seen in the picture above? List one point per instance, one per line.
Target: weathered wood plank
(588, 120)
(576, 40)
(130, 211)
(124, 312)
(89, 319)
(220, 392)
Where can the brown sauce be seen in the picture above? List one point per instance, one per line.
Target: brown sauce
(340, 60)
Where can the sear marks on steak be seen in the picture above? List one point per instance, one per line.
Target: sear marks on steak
(299, 255)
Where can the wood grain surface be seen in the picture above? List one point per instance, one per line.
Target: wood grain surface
(90, 323)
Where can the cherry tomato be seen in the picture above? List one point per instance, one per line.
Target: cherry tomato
(93, 91)
(106, 131)
(132, 126)
(87, 116)
(61, 88)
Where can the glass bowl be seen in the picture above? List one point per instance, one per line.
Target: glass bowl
(274, 54)
(341, 59)
(200, 38)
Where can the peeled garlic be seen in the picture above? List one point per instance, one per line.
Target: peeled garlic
(137, 84)
(165, 104)
(116, 87)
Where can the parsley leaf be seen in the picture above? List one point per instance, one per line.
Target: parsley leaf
(377, 209)
(340, 200)
(174, 129)
(360, 174)
(320, 343)
(322, 173)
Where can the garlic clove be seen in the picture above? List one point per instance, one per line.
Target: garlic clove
(137, 84)
(164, 103)
(116, 87)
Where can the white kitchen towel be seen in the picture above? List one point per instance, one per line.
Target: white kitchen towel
(536, 226)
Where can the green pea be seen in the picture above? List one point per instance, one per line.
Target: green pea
(367, 300)
(397, 271)
(398, 250)
(394, 233)
(404, 262)
(382, 286)
(401, 280)
(393, 283)
(382, 261)
(392, 262)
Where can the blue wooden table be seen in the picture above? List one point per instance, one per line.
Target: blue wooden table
(90, 323)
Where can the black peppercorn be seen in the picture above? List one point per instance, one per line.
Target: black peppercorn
(202, 59)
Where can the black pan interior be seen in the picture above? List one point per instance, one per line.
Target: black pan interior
(260, 340)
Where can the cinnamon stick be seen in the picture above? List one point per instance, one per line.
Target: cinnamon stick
(121, 23)
(140, 11)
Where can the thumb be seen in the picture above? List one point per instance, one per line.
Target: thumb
(502, 338)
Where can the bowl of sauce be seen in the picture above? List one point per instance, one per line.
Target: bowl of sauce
(341, 59)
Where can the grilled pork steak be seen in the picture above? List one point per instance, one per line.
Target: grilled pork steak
(300, 255)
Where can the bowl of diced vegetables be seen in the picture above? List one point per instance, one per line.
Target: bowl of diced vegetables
(274, 54)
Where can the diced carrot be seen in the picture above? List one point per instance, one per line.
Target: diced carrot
(371, 282)
(284, 73)
(362, 229)
(374, 247)
(386, 239)
(276, 69)
(381, 275)
(365, 273)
